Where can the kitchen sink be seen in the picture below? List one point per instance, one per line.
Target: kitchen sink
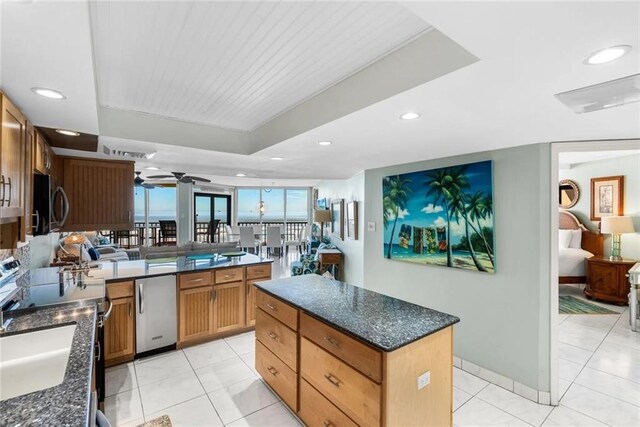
(33, 361)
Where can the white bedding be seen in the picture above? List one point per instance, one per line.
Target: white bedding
(573, 262)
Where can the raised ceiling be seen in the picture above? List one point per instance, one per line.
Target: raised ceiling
(236, 65)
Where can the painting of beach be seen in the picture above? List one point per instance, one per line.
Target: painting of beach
(441, 217)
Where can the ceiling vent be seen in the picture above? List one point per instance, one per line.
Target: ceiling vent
(613, 93)
(126, 153)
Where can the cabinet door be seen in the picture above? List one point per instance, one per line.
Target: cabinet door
(251, 303)
(100, 194)
(41, 155)
(196, 313)
(603, 278)
(118, 329)
(12, 160)
(28, 180)
(623, 281)
(229, 307)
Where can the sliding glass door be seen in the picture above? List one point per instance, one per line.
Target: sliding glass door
(212, 213)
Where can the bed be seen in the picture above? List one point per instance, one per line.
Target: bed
(576, 244)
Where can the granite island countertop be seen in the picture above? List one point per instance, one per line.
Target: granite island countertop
(123, 270)
(69, 403)
(384, 322)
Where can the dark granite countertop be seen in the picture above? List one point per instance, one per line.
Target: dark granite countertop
(112, 271)
(67, 404)
(384, 322)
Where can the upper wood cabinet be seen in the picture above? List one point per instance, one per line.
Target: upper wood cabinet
(100, 194)
(12, 163)
(42, 155)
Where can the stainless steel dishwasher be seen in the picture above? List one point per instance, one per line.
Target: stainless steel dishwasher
(156, 319)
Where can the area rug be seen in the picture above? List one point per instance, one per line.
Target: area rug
(162, 421)
(572, 305)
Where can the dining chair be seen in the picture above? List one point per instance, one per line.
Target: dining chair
(168, 232)
(248, 240)
(297, 243)
(274, 239)
(231, 236)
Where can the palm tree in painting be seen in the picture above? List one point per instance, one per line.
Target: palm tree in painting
(396, 193)
(479, 208)
(444, 186)
(459, 209)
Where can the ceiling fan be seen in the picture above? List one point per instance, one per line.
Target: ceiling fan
(181, 177)
(139, 182)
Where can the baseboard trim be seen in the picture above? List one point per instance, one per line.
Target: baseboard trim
(537, 396)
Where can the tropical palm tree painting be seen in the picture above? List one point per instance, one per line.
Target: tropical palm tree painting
(441, 216)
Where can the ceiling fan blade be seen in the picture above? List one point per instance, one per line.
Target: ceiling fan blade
(197, 178)
(160, 177)
(149, 186)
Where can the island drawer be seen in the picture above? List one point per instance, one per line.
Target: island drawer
(317, 411)
(259, 271)
(357, 354)
(229, 275)
(282, 341)
(117, 290)
(195, 280)
(352, 392)
(278, 309)
(278, 375)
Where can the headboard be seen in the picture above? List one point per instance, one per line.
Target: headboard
(592, 241)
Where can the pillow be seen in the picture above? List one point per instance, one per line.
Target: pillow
(576, 239)
(93, 253)
(564, 238)
(103, 240)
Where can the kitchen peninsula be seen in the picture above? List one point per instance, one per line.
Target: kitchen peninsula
(339, 354)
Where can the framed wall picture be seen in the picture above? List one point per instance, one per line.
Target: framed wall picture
(607, 197)
(352, 220)
(337, 218)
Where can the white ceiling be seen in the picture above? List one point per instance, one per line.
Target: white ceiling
(566, 159)
(503, 100)
(236, 65)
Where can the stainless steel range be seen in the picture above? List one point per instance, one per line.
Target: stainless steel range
(634, 306)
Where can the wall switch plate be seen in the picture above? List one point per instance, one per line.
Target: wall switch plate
(371, 226)
(424, 380)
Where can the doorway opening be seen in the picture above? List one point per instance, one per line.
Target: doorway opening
(211, 214)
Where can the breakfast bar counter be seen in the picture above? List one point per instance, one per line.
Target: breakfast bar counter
(338, 354)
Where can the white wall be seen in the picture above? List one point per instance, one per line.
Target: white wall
(349, 190)
(504, 316)
(629, 166)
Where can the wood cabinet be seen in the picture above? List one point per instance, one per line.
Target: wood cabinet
(42, 155)
(30, 137)
(100, 194)
(254, 275)
(607, 280)
(196, 313)
(215, 302)
(343, 381)
(12, 160)
(119, 328)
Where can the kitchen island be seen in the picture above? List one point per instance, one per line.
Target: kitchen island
(339, 354)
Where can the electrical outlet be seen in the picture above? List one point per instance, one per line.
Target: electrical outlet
(424, 380)
(371, 226)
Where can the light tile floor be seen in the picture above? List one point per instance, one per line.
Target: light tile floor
(215, 384)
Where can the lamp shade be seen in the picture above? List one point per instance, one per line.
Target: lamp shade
(617, 225)
(74, 239)
(321, 215)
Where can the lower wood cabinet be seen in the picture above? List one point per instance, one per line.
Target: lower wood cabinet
(196, 313)
(119, 328)
(228, 307)
(607, 280)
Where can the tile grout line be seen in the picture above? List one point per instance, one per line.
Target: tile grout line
(203, 389)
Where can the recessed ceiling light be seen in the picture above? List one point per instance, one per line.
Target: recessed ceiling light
(277, 158)
(325, 143)
(67, 132)
(240, 174)
(410, 116)
(607, 55)
(48, 93)
(152, 168)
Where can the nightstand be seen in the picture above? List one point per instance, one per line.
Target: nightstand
(607, 280)
(330, 258)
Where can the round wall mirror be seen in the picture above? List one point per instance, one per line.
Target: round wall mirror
(569, 193)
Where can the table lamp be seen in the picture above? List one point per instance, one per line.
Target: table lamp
(616, 225)
(75, 239)
(321, 216)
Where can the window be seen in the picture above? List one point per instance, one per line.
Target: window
(297, 204)
(248, 205)
(279, 205)
(273, 203)
(162, 203)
